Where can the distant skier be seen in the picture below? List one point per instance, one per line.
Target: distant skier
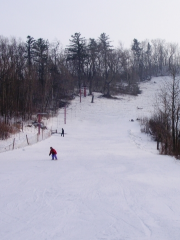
(53, 152)
(92, 98)
(62, 133)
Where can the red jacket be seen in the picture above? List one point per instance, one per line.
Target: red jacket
(53, 151)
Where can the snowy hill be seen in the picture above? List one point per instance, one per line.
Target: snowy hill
(109, 182)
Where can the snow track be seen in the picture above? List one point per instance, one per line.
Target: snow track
(109, 182)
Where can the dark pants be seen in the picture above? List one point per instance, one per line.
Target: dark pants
(54, 156)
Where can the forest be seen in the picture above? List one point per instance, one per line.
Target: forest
(39, 76)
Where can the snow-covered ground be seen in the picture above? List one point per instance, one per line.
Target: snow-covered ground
(109, 182)
(27, 132)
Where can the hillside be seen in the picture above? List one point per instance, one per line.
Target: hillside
(109, 182)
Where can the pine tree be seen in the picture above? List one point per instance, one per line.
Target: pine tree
(76, 52)
(105, 51)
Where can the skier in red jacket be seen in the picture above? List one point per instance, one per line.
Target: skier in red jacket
(53, 152)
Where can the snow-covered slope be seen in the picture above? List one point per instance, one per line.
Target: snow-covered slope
(109, 182)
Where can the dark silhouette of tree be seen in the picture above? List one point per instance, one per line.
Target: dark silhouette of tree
(148, 61)
(138, 61)
(76, 52)
(30, 73)
(41, 58)
(29, 50)
(91, 62)
(105, 50)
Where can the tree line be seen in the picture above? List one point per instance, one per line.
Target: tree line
(164, 124)
(36, 75)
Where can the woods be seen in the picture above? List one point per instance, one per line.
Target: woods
(36, 75)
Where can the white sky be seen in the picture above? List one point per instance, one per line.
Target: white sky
(122, 20)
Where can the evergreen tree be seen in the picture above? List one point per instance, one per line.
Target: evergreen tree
(148, 57)
(92, 50)
(105, 51)
(29, 52)
(76, 52)
(41, 58)
(138, 58)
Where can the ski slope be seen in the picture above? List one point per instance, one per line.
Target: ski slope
(109, 182)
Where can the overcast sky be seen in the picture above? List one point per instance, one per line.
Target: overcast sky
(122, 20)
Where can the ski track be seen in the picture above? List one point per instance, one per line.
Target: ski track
(109, 182)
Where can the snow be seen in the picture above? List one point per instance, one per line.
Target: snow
(109, 182)
(19, 139)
